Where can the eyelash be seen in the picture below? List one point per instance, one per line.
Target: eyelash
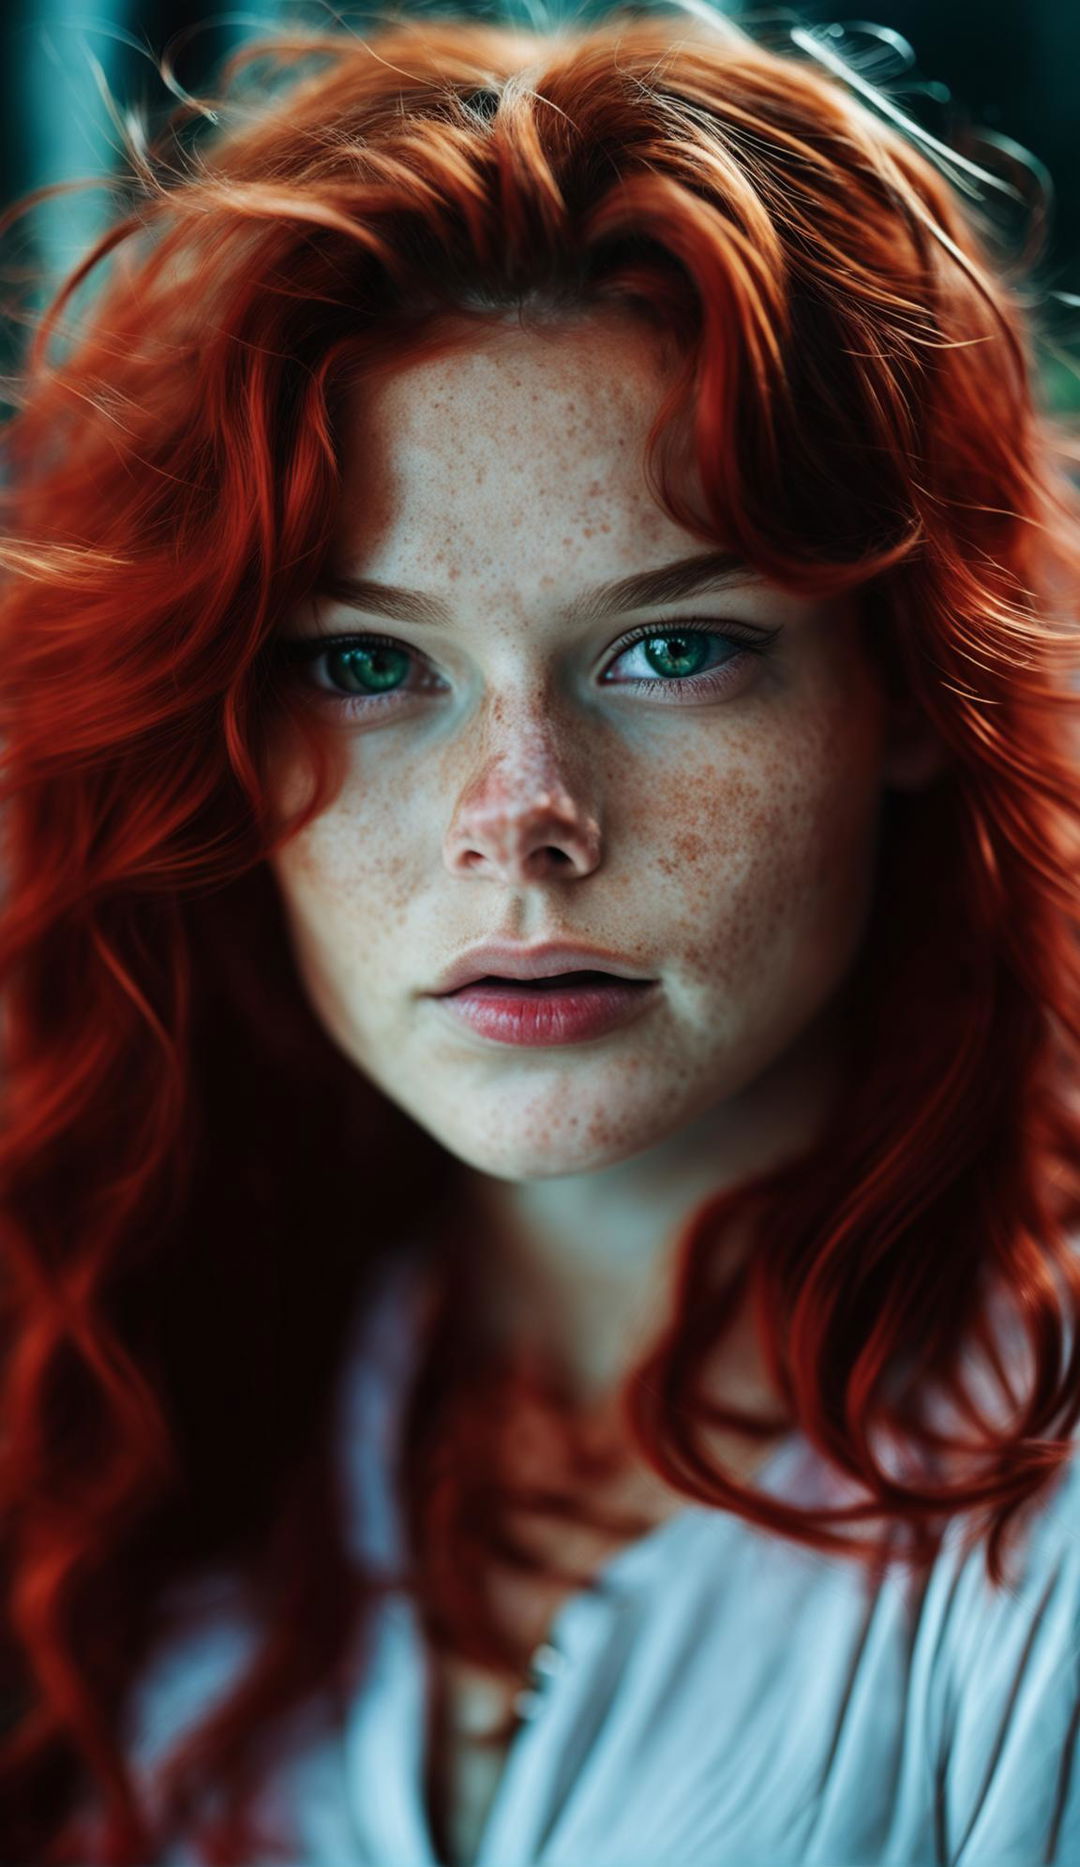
(307, 650)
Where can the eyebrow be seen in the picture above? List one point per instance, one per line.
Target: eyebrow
(712, 570)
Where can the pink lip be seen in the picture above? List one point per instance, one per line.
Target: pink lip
(496, 1009)
(507, 960)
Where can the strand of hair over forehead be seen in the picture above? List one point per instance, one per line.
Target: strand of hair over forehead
(855, 389)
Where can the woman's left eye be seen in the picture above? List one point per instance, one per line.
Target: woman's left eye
(692, 654)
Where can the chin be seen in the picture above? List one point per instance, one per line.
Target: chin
(521, 1159)
(533, 1154)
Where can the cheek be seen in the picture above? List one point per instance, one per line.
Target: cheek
(357, 865)
(346, 891)
(765, 864)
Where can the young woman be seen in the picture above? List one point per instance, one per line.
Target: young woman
(540, 1150)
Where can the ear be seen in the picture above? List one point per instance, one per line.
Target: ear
(914, 755)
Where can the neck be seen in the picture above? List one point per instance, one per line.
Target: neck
(579, 1266)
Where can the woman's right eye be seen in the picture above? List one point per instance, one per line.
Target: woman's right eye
(365, 669)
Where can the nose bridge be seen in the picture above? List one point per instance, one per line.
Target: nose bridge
(525, 808)
(526, 752)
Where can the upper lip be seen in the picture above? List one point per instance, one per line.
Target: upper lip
(528, 962)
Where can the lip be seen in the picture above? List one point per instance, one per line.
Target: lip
(510, 1011)
(509, 961)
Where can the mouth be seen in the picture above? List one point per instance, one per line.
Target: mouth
(493, 984)
(560, 1008)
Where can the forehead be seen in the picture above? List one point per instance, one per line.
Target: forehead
(519, 436)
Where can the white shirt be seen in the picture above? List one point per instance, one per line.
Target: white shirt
(727, 1699)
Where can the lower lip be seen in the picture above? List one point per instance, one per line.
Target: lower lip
(548, 1017)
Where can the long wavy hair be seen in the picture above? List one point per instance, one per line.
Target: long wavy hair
(181, 1140)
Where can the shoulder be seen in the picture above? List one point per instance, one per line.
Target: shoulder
(208, 1638)
(1003, 1665)
(207, 1630)
(211, 1638)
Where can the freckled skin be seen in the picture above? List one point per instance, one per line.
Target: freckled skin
(722, 843)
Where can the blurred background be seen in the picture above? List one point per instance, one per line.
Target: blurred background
(1010, 69)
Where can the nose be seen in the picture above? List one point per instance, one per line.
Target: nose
(524, 816)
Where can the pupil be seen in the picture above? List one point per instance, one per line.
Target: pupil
(366, 670)
(686, 651)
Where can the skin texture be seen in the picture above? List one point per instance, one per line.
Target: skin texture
(721, 842)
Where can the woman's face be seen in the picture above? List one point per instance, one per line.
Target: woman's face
(704, 808)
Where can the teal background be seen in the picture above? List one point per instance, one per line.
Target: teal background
(1009, 67)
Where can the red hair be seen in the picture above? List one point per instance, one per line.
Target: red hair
(181, 1139)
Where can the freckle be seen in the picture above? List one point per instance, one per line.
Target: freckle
(590, 531)
(690, 846)
(453, 573)
(598, 1128)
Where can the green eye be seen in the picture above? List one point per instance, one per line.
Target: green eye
(358, 669)
(361, 670)
(677, 655)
